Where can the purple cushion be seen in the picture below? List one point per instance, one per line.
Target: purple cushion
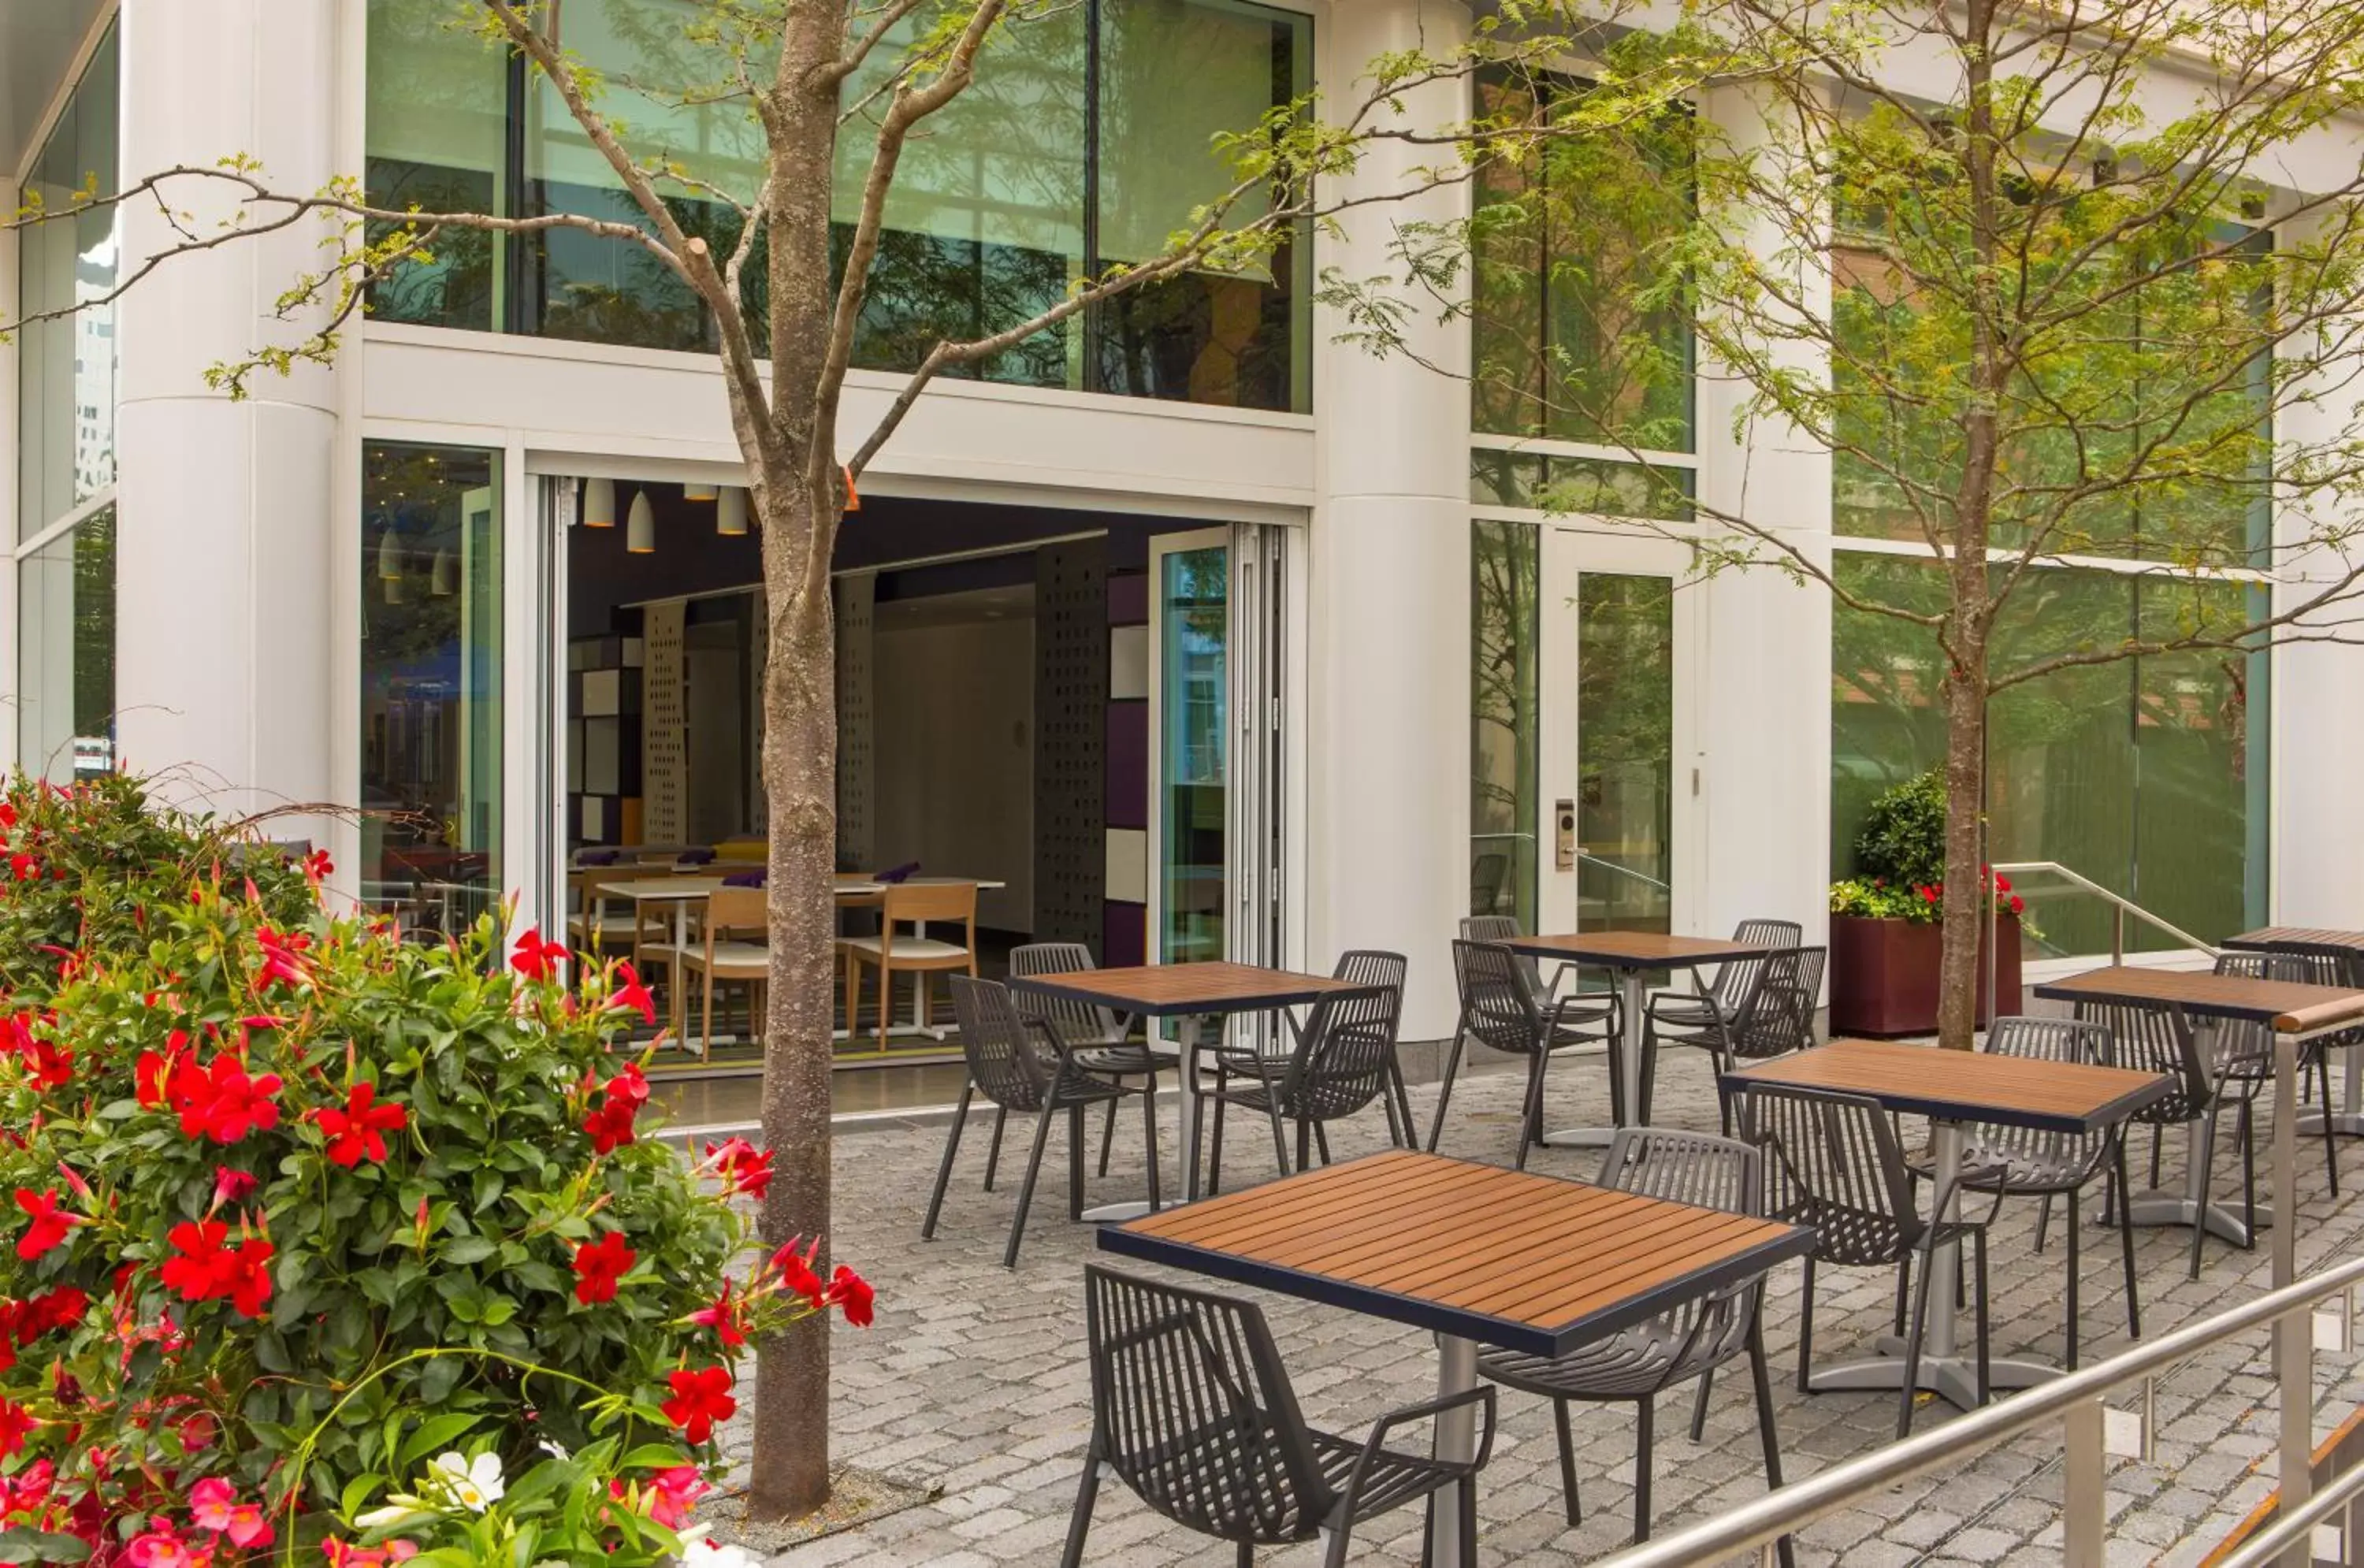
(696, 857)
(595, 858)
(744, 879)
(903, 872)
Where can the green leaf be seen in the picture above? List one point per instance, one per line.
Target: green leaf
(438, 1432)
(438, 1378)
(27, 1545)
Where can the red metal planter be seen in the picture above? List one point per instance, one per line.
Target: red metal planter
(1884, 975)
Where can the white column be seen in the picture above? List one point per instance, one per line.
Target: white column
(1766, 690)
(1389, 677)
(223, 576)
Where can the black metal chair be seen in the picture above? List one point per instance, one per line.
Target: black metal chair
(1684, 1344)
(1371, 967)
(2036, 1163)
(2156, 1040)
(1713, 1000)
(1015, 1072)
(2243, 1055)
(1101, 1037)
(1772, 1014)
(1192, 1409)
(1499, 1008)
(1338, 1066)
(1832, 1162)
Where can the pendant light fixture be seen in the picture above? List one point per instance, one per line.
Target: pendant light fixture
(389, 554)
(698, 492)
(641, 527)
(600, 503)
(444, 580)
(730, 514)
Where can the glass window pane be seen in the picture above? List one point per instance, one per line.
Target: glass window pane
(984, 227)
(438, 138)
(66, 367)
(431, 688)
(1193, 696)
(2200, 738)
(1887, 724)
(1175, 75)
(1504, 733)
(1624, 727)
(65, 652)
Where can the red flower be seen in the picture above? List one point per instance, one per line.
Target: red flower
(49, 1227)
(318, 867)
(699, 1399)
(630, 1086)
(666, 1496)
(59, 1309)
(536, 959)
(232, 1184)
(51, 1067)
(598, 1265)
(15, 1423)
(249, 1287)
(796, 1273)
(153, 1072)
(632, 994)
(611, 1127)
(2002, 884)
(726, 1318)
(214, 1507)
(23, 867)
(851, 1291)
(2018, 905)
(742, 1169)
(357, 1132)
(205, 1270)
(221, 1102)
(281, 958)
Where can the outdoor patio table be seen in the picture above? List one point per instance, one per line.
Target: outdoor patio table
(1187, 992)
(2350, 1118)
(1633, 954)
(1476, 1255)
(1952, 1088)
(2291, 1008)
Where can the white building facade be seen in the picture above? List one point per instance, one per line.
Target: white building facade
(1347, 689)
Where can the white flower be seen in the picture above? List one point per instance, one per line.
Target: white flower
(700, 1550)
(394, 1513)
(475, 1485)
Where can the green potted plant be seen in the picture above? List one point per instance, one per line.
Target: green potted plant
(1885, 920)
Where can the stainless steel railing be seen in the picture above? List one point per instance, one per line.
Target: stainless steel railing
(2120, 906)
(2074, 1400)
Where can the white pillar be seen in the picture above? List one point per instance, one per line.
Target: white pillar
(223, 580)
(1766, 691)
(1390, 795)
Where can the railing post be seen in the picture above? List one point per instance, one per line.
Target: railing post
(2294, 1332)
(2084, 1497)
(2117, 933)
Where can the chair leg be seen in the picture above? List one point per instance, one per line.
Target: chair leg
(2126, 1241)
(1570, 1498)
(1903, 1291)
(951, 1147)
(1806, 1326)
(1108, 1137)
(2330, 1135)
(1913, 1342)
(886, 994)
(1076, 1157)
(706, 1019)
(1766, 1434)
(1403, 1100)
(1444, 1088)
(853, 997)
(1532, 1114)
(1699, 1404)
(1986, 1340)
(2157, 1128)
(2044, 1221)
(1279, 1134)
(1026, 1188)
(1644, 1421)
(1304, 1144)
(2204, 1152)
(1148, 1138)
(2249, 1175)
(2075, 1230)
(1246, 1558)
(1215, 1147)
(993, 1154)
(1468, 1530)
(1320, 1143)
(1079, 1523)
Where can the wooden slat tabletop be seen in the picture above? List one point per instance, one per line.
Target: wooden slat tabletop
(2290, 1006)
(1159, 990)
(2268, 938)
(1506, 1258)
(1957, 1086)
(1634, 949)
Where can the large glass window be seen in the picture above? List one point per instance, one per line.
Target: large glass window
(1193, 750)
(65, 375)
(2147, 775)
(1505, 623)
(430, 689)
(65, 620)
(1002, 201)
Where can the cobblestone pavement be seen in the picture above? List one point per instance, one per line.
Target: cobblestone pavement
(974, 1381)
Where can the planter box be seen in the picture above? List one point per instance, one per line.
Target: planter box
(1884, 975)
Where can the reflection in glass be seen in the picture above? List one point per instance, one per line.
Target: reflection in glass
(65, 652)
(1504, 623)
(1625, 736)
(430, 682)
(1194, 639)
(438, 139)
(66, 375)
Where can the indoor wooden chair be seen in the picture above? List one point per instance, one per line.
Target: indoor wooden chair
(895, 951)
(725, 953)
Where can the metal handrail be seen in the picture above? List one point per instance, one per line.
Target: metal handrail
(2072, 1396)
(1584, 859)
(2120, 906)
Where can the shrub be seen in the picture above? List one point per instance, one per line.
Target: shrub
(312, 1225)
(1902, 841)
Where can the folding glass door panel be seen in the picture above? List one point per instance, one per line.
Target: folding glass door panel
(1620, 768)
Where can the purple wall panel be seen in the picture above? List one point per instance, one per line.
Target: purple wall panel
(1125, 940)
(1127, 596)
(1127, 763)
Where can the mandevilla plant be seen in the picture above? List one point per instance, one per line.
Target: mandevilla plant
(317, 1242)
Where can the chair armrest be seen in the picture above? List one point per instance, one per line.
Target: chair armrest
(1482, 1396)
(1999, 1174)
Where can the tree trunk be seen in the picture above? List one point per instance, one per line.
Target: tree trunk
(1964, 902)
(791, 1474)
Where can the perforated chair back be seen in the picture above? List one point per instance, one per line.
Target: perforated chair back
(1195, 1413)
(1371, 967)
(1706, 1173)
(1489, 927)
(1779, 1017)
(1004, 1060)
(1498, 997)
(2069, 1157)
(1341, 1060)
(1832, 1162)
(2247, 1044)
(1737, 981)
(1079, 1023)
(2149, 1039)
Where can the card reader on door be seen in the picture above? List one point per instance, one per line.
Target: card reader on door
(1564, 815)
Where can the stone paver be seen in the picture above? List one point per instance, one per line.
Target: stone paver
(974, 1380)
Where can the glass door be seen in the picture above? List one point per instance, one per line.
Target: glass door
(1190, 744)
(1621, 763)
